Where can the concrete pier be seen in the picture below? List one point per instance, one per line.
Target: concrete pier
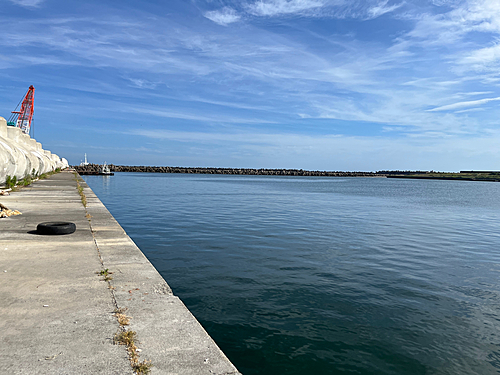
(57, 314)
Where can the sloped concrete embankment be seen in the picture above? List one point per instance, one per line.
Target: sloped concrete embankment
(21, 155)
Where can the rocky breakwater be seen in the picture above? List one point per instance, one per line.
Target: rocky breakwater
(21, 155)
(91, 168)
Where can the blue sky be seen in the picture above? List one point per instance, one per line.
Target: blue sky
(312, 84)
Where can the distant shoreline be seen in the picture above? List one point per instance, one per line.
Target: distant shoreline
(494, 176)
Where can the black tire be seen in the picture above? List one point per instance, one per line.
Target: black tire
(55, 228)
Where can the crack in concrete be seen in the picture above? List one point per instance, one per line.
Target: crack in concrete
(131, 350)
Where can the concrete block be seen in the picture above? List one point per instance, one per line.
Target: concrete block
(21, 155)
(3, 127)
(32, 144)
(14, 133)
(25, 139)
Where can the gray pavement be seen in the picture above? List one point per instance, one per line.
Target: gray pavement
(56, 313)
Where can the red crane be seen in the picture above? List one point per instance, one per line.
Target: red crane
(23, 118)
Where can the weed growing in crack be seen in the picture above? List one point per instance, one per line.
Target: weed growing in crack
(106, 273)
(80, 191)
(142, 368)
(123, 319)
(127, 338)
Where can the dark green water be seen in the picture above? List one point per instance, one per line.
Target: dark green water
(319, 275)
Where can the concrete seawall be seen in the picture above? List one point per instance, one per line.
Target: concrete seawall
(21, 155)
(58, 314)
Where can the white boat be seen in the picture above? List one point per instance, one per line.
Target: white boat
(105, 170)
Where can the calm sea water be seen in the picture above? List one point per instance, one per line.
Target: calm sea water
(311, 275)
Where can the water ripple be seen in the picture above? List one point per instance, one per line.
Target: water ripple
(324, 275)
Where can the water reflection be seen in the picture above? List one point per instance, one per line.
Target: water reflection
(324, 275)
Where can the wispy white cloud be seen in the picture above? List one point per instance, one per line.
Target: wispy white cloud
(272, 8)
(142, 83)
(471, 103)
(232, 104)
(189, 115)
(341, 9)
(470, 110)
(382, 8)
(289, 73)
(474, 93)
(107, 45)
(28, 3)
(483, 59)
(465, 16)
(224, 16)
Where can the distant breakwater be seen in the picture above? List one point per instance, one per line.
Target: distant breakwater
(94, 169)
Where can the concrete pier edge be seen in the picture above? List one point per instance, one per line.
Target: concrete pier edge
(169, 335)
(41, 339)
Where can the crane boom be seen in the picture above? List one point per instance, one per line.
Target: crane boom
(23, 118)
